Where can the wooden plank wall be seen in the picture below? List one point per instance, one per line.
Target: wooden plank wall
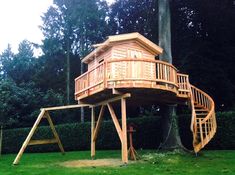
(106, 55)
(131, 69)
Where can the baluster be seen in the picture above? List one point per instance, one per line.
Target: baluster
(201, 131)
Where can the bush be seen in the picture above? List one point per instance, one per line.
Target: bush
(77, 136)
(147, 135)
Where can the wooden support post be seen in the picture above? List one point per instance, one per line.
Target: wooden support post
(17, 159)
(115, 121)
(54, 132)
(124, 132)
(92, 132)
(106, 102)
(65, 107)
(99, 121)
(41, 142)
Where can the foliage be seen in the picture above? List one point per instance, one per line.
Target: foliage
(20, 96)
(135, 16)
(19, 105)
(202, 45)
(70, 27)
(147, 136)
(107, 138)
(210, 162)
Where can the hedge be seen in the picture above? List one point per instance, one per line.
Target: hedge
(76, 136)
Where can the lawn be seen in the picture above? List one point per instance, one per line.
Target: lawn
(208, 162)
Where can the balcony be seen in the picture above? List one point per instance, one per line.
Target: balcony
(130, 74)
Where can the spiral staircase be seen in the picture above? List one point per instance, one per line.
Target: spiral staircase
(203, 122)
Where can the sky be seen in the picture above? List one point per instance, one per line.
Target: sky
(20, 19)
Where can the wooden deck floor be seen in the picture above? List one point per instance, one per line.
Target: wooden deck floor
(139, 96)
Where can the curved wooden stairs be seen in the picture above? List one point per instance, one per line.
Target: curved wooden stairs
(203, 122)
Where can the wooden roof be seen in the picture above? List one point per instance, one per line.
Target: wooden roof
(120, 38)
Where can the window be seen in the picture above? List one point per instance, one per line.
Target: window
(134, 54)
(101, 60)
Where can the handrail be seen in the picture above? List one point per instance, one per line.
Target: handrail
(90, 79)
(98, 65)
(207, 124)
(183, 83)
(210, 99)
(142, 59)
(161, 72)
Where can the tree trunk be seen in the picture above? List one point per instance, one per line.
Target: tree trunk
(171, 137)
(82, 109)
(82, 71)
(164, 30)
(68, 73)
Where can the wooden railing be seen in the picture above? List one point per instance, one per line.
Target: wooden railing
(204, 124)
(91, 80)
(146, 72)
(130, 69)
(183, 84)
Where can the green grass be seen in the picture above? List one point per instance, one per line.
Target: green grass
(152, 163)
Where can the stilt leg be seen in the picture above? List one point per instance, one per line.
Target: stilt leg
(92, 132)
(124, 132)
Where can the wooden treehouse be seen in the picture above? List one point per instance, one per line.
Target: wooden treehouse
(128, 64)
(126, 68)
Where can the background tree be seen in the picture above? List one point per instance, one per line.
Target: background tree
(134, 16)
(171, 137)
(76, 25)
(202, 46)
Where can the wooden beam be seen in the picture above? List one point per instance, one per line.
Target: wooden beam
(115, 121)
(116, 92)
(99, 121)
(66, 107)
(92, 132)
(54, 132)
(41, 142)
(105, 102)
(19, 155)
(124, 132)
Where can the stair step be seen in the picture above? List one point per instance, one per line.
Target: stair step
(200, 118)
(196, 107)
(201, 114)
(201, 110)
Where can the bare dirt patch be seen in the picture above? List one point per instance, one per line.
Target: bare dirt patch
(92, 163)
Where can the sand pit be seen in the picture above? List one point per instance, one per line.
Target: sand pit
(92, 163)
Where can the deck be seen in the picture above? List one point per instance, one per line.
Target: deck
(143, 78)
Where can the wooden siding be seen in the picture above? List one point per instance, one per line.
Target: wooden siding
(122, 50)
(105, 56)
